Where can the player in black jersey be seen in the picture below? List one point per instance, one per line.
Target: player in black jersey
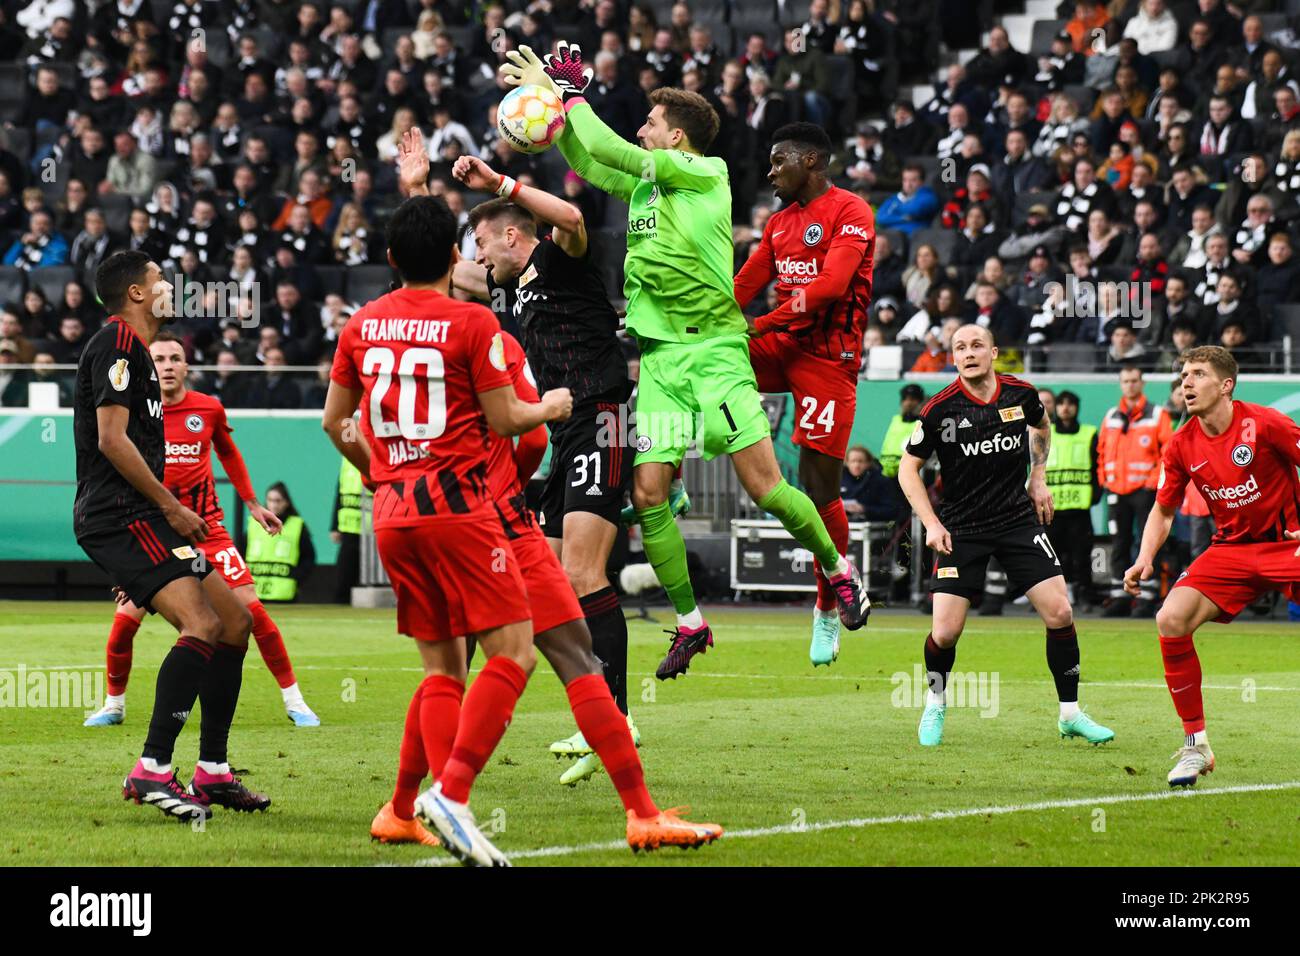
(569, 332)
(142, 537)
(986, 430)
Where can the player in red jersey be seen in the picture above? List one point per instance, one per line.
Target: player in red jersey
(819, 248)
(195, 425)
(1242, 458)
(561, 634)
(430, 377)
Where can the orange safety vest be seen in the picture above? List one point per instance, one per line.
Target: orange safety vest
(1130, 444)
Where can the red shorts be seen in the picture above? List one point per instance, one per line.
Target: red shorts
(825, 391)
(221, 553)
(1234, 575)
(452, 577)
(549, 592)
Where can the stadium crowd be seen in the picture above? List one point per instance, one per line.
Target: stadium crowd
(1130, 192)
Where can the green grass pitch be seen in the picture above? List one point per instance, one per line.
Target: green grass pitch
(803, 767)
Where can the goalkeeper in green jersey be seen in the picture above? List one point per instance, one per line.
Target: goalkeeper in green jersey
(696, 381)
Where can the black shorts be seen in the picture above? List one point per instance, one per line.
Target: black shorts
(1026, 555)
(591, 468)
(143, 556)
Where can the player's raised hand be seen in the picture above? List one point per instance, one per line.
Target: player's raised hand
(475, 174)
(267, 518)
(523, 68)
(1137, 574)
(412, 162)
(938, 539)
(186, 523)
(566, 69)
(558, 403)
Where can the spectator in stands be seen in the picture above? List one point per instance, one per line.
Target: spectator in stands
(885, 320)
(1084, 193)
(39, 247)
(1217, 262)
(956, 89)
(1190, 252)
(13, 382)
(978, 238)
(1232, 307)
(130, 172)
(1105, 239)
(1030, 291)
(1234, 337)
(1179, 306)
(866, 38)
(1117, 171)
(87, 157)
(1285, 118)
(1222, 136)
(43, 371)
(1125, 349)
(906, 136)
(998, 64)
(310, 196)
(1182, 336)
(298, 329)
(887, 269)
(1062, 124)
(1036, 232)
(937, 356)
(1278, 279)
(1089, 17)
(273, 388)
(801, 73)
(11, 330)
(1250, 242)
(868, 164)
(664, 59)
(1153, 27)
(1257, 101)
(866, 492)
(757, 58)
(351, 243)
(924, 272)
(995, 312)
(976, 191)
(993, 271)
(941, 304)
(913, 207)
(68, 341)
(951, 140)
(92, 244)
(1062, 67)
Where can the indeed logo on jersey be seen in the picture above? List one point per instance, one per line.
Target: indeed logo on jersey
(186, 450)
(1235, 496)
(642, 227)
(992, 446)
(796, 271)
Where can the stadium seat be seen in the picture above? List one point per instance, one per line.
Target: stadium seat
(117, 212)
(885, 362)
(1040, 44)
(1286, 321)
(51, 280)
(332, 279)
(943, 240)
(368, 282)
(13, 283)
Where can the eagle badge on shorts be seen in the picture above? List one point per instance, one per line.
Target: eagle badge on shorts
(643, 443)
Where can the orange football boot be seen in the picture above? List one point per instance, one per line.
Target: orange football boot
(668, 829)
(388, 827)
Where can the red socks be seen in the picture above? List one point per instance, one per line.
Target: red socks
(605, 729)
(1183, 675)
(837, 526)
(120, 640)
(271, 644)
(485, 716)
(431, 723)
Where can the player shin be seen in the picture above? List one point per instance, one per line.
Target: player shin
(990, 432)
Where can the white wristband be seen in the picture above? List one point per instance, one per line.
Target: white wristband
(506, 186)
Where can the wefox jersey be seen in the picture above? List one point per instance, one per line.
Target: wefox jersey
(1247, 475)
(983, 451)
(115, 369)
(821, 256)
(421, 359)
(194, 428)
(569, 329)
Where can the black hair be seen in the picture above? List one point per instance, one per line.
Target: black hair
(279, 486)
(809, 136)
(117, 273)
(421, 236)
(1068, 396)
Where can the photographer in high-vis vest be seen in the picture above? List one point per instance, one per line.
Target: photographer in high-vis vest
(345, 531)
(1129, 447)
(280, 563)
(1072, 480)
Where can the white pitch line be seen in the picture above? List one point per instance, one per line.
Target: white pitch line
(859, 823)
(873, 678)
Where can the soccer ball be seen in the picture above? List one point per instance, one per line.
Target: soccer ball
(529, 118)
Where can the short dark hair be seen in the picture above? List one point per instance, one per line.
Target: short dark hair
(421, 236)
(689, 112)
(117, 273)
(163, 336)
(1068, 396)
(809, 136)
(503, 208)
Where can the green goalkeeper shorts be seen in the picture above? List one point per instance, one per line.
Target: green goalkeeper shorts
(701, 393)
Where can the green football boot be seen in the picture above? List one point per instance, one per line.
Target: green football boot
(930, 732)
(1081, 725)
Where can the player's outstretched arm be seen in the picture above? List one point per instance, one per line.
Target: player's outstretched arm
(604, 178)
(909, 479)
(570, 232)
(125, 457)
(341, 402)
(509, 416)
(469, 281)
(759, 269)
(237, 471)
(1154, 533)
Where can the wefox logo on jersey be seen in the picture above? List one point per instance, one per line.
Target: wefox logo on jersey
(1234, 496)
(992, 446)
(155, 407)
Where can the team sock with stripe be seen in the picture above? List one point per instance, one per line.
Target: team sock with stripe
(179, 678)
(1063, 662)
(608, 629)
(218, 698)
(837, 526)
(938, 665)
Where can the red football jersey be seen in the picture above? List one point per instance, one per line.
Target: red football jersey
(194, 427)
(821, 256)
(1247, 475)
(421, 359)
(503, 465)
